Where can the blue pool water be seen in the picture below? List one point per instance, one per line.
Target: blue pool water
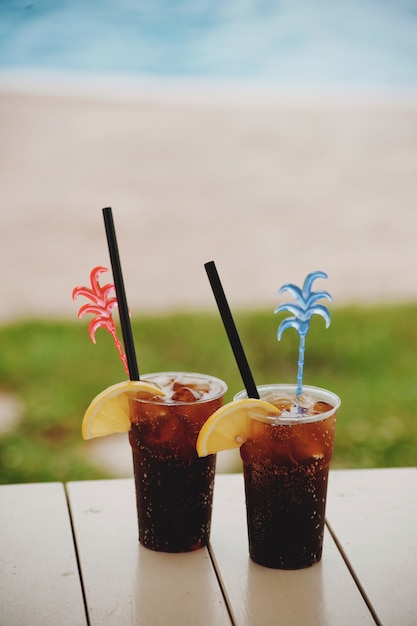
(369, 42)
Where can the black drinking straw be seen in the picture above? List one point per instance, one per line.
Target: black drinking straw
(121, 295)
(231, 330)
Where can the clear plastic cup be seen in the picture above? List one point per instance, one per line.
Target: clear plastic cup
(286, 466)
(174, 487)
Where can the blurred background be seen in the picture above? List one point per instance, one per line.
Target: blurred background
(273, 137)
(233, 131)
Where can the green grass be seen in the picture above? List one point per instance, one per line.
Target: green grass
(368, 356)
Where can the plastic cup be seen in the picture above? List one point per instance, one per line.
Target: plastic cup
(286, 466)
(174, 487)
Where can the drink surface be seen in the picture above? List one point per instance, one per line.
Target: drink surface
(186, 387)
(310, 406)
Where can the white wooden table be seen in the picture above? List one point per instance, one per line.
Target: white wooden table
(70, 555)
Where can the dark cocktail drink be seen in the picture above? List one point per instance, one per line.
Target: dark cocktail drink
(286, 464)
(174, 487)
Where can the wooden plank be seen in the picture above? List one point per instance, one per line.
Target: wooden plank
(39, 579)
(323, 594)
(128, 584)
(373, 515)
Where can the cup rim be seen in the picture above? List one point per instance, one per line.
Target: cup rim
(317, 392)
(223, 386)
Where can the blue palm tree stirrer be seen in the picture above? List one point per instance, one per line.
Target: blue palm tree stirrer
(302, 312)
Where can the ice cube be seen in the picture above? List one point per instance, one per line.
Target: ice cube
(282, 402)
(321, 407)
(185, 394)
(199, 385)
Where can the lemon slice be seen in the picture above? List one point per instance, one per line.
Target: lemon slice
(229, 426)
(109, 411)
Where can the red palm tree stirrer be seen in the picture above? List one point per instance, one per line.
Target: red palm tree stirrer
(101, 306)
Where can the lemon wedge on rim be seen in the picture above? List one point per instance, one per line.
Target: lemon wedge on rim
(229, 426)
(109, 412)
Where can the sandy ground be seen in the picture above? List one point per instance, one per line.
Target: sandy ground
(269, 185)
(270, 188)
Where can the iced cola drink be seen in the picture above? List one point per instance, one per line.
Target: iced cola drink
(286, 464)
(174, 487)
